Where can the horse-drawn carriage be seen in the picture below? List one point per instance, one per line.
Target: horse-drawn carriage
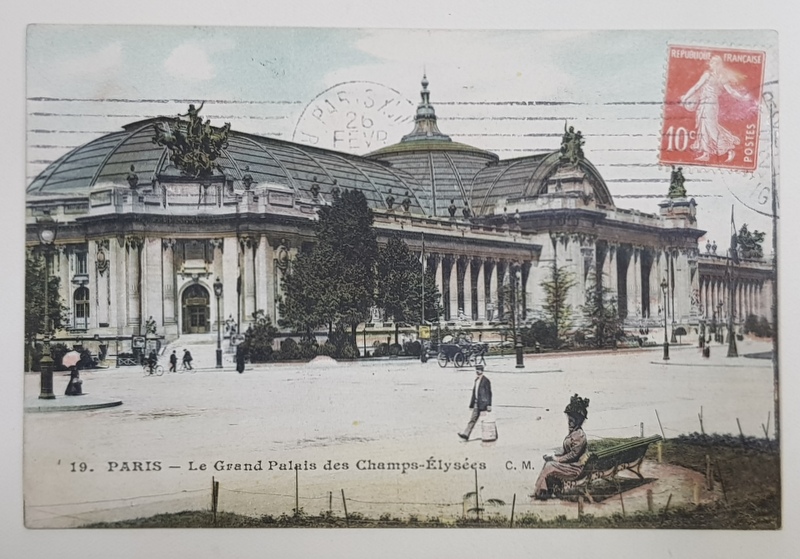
(462, 354)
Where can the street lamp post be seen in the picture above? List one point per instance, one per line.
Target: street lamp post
(218, 293)
(732, 349)
(47, 236)
(664, 287)
(517, 333)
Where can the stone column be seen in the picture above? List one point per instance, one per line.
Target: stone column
(168, 291)
(468, 289)
(438, 274)
(118, 270)
(102, 282)
(152, 289)
(230, 275)
(248, 246)
(613, 279)
(269, 281)
(529, 289)
(261, 274)
(453, 283)
(493, 291)
(134, 295)
(480, 286)
(633, 285)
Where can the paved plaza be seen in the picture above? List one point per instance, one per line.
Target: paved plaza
(173, 433)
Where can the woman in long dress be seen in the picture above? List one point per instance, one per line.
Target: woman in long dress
(568, 465)
(711, 138)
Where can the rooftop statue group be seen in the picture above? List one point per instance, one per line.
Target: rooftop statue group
(194, 145)
(571, 145)
(676, 180)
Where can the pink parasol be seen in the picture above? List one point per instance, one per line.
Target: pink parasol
(70, 359)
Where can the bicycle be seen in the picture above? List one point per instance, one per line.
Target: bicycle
(155, 370)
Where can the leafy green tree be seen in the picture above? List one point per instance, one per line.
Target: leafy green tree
(601, 313)
(257, 344)
(333, 284)
(556, 292)
(308, 301)
(34, 304)
(399, 290)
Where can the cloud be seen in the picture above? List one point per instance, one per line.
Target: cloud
(190, 62)
(95, 63)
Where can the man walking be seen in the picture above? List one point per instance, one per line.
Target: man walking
(173, 362)
(187, 359)
(481, 400)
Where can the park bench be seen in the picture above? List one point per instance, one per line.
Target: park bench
(608, 462)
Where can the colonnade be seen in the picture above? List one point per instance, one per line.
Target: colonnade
(479, 289)
(132, 278)
(750, 296)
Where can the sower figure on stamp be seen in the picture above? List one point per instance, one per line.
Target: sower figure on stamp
(480, 401)
(568, 465)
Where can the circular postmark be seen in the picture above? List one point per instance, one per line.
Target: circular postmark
(355, 117)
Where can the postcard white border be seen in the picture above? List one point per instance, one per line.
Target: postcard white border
(407, 543)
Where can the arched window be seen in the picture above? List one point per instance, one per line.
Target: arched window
(81, 305)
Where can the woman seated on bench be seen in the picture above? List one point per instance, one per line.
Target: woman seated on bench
(568, 465)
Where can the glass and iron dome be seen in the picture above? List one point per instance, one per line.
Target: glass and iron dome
(442, 167)
(111, 159)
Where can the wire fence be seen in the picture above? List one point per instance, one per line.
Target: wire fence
(294, 493)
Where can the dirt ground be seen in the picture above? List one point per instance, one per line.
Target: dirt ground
(80, 466)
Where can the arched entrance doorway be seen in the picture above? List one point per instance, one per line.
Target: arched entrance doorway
(196, 315)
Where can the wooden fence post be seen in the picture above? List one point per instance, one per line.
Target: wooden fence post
(649, 500)
(346, 518)
(666, 508)
(296, 492)
(660, 427)
(513, 505)
(214, 498)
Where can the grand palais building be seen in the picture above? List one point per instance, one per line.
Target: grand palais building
(137, 237)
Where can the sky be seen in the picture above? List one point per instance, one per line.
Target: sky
(509, 92)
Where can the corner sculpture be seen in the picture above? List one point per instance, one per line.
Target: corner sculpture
(676, 180)
(194, 146)
(571, 145)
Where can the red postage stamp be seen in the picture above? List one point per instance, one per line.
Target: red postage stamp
(711, 107)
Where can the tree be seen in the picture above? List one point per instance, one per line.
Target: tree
(34, 303)
(399, 290)
(257, 344)
(600, 312)
(308, 301)
(556, 291)
(334, 282)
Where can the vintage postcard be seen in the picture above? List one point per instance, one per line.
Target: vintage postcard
(358, 278)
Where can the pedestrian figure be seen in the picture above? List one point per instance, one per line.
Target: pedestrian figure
(74, 387)
(481, 400)
(187, 359)
(239, 359)
(567, 465)
(152, 360)
(173, 362)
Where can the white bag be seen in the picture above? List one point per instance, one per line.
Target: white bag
(488, 428)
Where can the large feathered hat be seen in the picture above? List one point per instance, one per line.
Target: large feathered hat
(578, 406)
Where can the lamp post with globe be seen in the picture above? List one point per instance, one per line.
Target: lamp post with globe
(48, 229)
(218, 293)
